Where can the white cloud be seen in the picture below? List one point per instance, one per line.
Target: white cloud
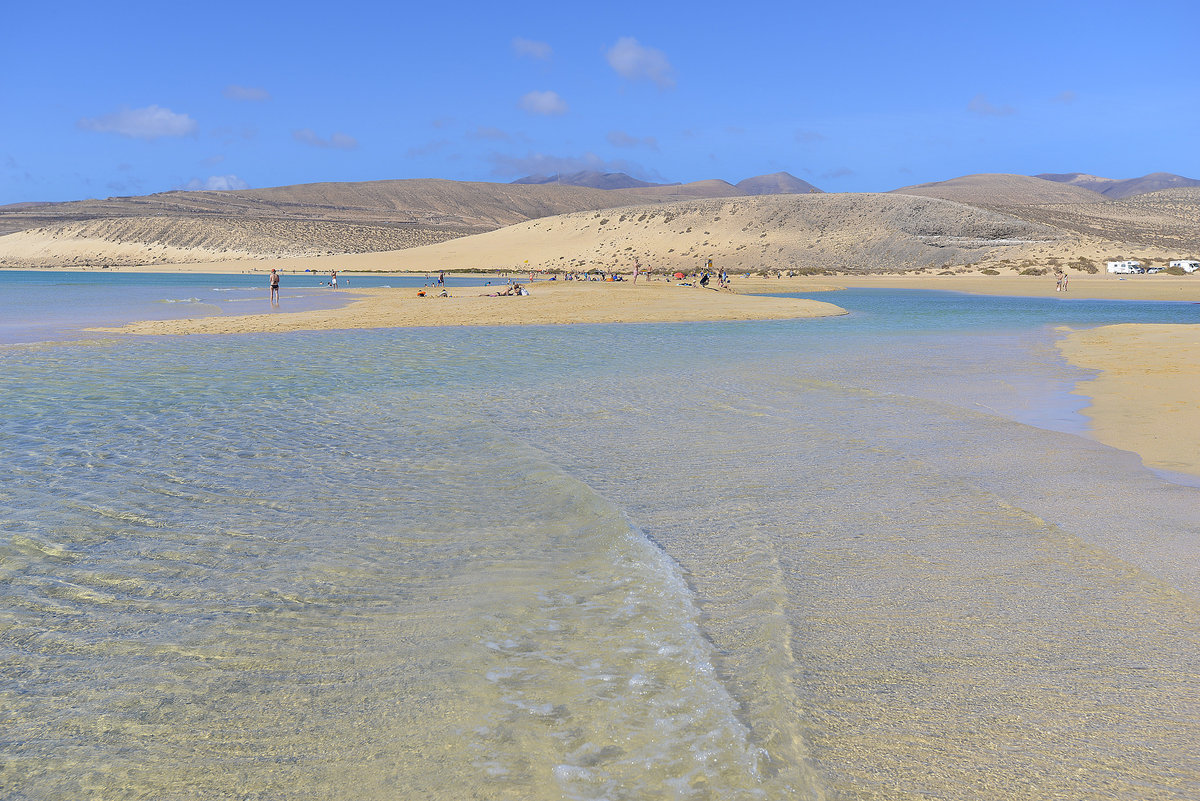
(217, 183)
(635, 62)
(622, 139)
(338, 141)
(532, 49)
(151, 122)
(548, 103)
(981, 105)
(251, 94)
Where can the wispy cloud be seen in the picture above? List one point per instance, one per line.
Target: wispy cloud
(249, 94)
(151, 122)
(1066, 98)
(981, 105)
(809, 137)
(545, 103)
(637, 62)
(529, 48)
(840, 172)
(337, 141)
(216, 183)
(622, 139)
(427, 149)
(486, 132)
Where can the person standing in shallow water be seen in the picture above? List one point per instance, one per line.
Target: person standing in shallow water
(274, 287)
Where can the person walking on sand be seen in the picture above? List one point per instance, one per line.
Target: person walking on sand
(274, 287)
(1064, 282)
(637, 268)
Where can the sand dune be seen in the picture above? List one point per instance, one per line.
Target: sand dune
(164, 240)
(801, 232)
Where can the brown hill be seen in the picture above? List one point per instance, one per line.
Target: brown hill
(1169, 219)
(424, 202)
(307, 219)
(1001, 190)
(777, 183)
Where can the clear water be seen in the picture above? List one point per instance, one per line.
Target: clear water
(866, 557)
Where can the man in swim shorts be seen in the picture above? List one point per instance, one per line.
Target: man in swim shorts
(274, 286)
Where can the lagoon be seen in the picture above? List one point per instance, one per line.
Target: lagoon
(872, 556)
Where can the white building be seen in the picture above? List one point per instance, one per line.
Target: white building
(1188, 265)
(1125, 267)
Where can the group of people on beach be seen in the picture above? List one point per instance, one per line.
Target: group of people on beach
(1062, 282)
(273, 282)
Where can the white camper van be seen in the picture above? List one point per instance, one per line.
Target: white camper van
(1188, 265)
(1125, 267)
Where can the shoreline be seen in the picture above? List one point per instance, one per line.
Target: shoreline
(1081, 286)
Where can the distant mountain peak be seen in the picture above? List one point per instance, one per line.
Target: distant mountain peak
(777, 183)
(1117, 189)
(589, 178)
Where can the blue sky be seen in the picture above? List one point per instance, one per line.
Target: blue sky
(133, 98)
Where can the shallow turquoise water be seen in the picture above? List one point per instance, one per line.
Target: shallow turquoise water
(41, 305)
(860, 557)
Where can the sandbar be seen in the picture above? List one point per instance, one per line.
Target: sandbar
(1144, 396)
(550, 302)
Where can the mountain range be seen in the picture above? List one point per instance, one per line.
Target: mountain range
(1118, 189)
(410, 216)
(777, 183)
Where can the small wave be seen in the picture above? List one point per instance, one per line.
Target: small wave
(180, 300)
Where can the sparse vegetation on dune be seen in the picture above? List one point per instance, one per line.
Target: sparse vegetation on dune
(801, 233)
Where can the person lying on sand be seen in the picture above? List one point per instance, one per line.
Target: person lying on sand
(514, 289)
